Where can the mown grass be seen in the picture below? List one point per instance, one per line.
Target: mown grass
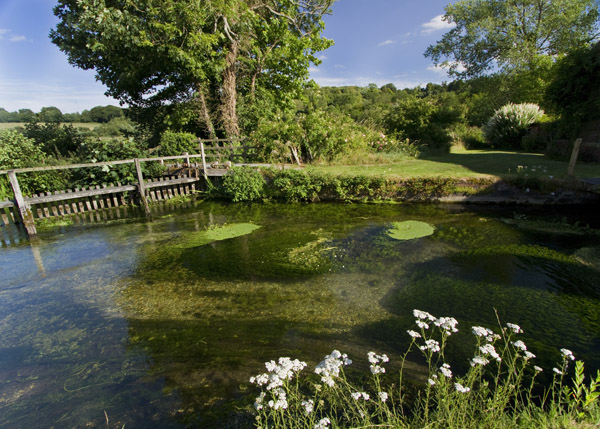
(462, 163)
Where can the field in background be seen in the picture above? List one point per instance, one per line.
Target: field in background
(88, 125)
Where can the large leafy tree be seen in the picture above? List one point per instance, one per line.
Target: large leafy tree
(510, 35)
(205, 53)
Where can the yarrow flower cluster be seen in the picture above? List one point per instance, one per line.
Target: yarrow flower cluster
(460, 388)
(520, 345)
(383, 396)
(323, 423)
(446, 371)
(486, 333)
(422, 317)
(413, 334)
(568, 354)
(515, 328)
(432, 345)
(329, 367)
(448, 324)
(278, 372)
(488, 349)
(479, 360)
(375, 360)
(357, 395)
(308, 406)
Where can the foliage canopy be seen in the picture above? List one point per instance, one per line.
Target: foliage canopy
(506, 35)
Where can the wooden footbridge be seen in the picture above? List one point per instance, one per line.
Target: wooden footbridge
(186, 176)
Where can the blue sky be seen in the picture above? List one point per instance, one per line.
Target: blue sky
(376, 41)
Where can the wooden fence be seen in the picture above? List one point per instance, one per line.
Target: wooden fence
(180, 179)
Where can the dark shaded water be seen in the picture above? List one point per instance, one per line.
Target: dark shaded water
(151, 324)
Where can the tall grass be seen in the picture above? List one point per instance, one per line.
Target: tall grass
(500, 389)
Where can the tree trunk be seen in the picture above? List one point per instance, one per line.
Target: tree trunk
(205, 114)
(229, 95)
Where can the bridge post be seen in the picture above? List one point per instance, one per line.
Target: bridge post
(24, 209)
(141, 186)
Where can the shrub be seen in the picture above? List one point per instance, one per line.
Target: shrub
(18, 151)
(243, 184)
(510, 123)
(177, 143)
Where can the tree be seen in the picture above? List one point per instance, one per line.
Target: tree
(50, 114)
(104, 114)
(206, 53)
(512, 34)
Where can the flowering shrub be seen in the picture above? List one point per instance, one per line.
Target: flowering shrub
(497, 390)
(510, 123)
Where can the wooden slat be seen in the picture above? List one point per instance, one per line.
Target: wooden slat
(61, 196)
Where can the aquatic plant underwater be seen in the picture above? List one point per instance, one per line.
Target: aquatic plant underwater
(500, 389)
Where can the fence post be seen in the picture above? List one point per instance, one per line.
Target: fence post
(203, 161)
(574, 155)
(141, 187)
(187, 159)
(24, 209)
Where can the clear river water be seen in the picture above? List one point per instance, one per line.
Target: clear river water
(161, 322)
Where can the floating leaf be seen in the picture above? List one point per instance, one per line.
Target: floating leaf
(217, 233)
(410, 229)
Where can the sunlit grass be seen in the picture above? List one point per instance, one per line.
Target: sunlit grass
(462, 163)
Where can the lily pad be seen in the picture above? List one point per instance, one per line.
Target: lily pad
(409, 230)
(217, 233)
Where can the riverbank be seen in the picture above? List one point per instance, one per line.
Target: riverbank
(313, 185)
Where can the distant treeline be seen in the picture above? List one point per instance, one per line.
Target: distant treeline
(102, 114)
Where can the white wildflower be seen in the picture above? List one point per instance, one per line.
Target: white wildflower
(445, 370)
(557, 371)
(479, 360)
(329, 367)
(489, 349)
(528, 355)
(537, 368)
(432, 345)
(462, 389)
(414, 334)
(308, 406)
(567, 354)
(422, 324)
(515, 328)
(383, 396)
(431, 382)
(365, 396)
(323, 423)
(258, 402)
(423, 315)
(448, 324)
(520, 345)
(486, 333)
(375, 359)
(355, 395)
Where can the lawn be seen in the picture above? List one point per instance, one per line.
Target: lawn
(464, 163)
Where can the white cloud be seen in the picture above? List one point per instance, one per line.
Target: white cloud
(436, 23)
(313, 70)
(340, 66)
(442, 69)
(18, 39)
(322, 57)
(387, 42)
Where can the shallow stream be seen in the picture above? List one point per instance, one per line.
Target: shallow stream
(161, 323)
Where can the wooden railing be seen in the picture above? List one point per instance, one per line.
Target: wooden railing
(181, 178)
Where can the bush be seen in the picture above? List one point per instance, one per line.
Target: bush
(243, 184)
(469, 137)
(54, 139)
(177, 143)
(18, 151)
(510, 123)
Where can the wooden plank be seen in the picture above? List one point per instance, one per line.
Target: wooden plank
(574, 156)
(68, 166)
(61, 196)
